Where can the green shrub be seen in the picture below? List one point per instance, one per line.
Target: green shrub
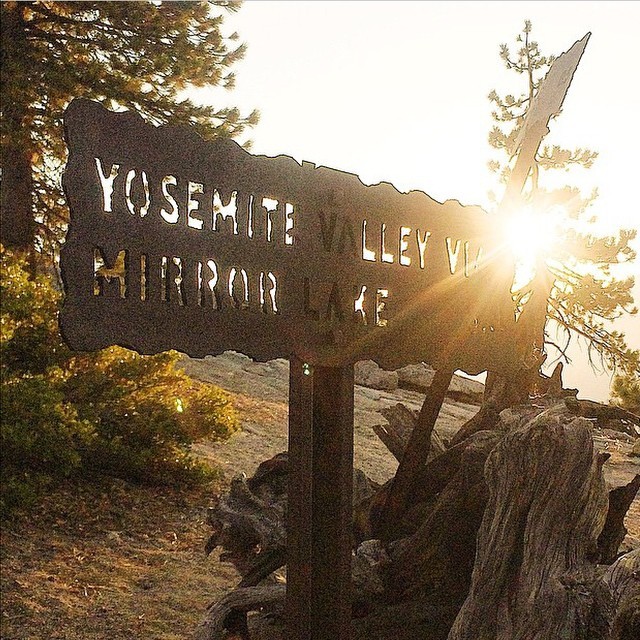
(41, 437)
(147, 413)
(112, 411)
(625, 391)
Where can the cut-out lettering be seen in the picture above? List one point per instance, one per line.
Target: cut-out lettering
(108, 271)
(178, 281)
(193, 205)
(171, 216)
(250, 216)
(238, 280)
(144, 277)
(422, 245)
(270, 205)
(385, 256)
(130, 183)
(381, 297)
(207, 281)
(225, 211)
(106, 182)
(165, 291)
(289, 223)
(405, 232)
(358, 307)
(268, 292)
(452, 254)
(470, 266)
(367, 254)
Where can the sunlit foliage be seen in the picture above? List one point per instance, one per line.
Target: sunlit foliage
(576, 273)
(110, 411)
(625, 390)
(133, 55)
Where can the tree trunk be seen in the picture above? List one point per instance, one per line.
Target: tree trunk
(414, 457)
(17, 224)
(438, 558)
(614, 531)
(623, 582)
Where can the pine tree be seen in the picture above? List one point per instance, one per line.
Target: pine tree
(573, 278)
(133, 55)
(625, 390)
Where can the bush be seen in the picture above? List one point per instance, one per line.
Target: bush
(147, 413)
(40, 435)
(112, 411)
(625, 392)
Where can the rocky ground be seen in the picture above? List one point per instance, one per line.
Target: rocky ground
(260, 393)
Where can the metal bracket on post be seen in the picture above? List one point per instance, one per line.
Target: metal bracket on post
(319, 502)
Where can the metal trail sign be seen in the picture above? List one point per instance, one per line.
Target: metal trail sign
(200, 246)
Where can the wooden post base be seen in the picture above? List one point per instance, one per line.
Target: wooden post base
(320, 502)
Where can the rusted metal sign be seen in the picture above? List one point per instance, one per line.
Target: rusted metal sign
(199, 246)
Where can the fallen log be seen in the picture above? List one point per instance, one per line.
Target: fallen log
(438, 558)
(498, 395)
(415, 455)
(608, 416)
(395, 435)
(221, 618)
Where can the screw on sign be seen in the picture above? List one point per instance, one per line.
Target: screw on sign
(178, 243)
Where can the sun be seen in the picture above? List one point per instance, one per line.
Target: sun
(530, 235)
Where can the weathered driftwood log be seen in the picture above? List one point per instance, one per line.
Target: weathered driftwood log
(430, 480)
(503, 392)
(498, 395)
(614, 531)
(606, 415)
(414, 457)
(395, 435)
(533, 577)
(622, 580)
(249, 521)
(438, 558)
(222, 617)
(245, 523)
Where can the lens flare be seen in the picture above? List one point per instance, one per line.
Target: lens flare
(531, 235)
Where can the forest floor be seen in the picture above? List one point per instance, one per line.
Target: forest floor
(108, 559)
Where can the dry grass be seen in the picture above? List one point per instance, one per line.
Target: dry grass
(109, 560)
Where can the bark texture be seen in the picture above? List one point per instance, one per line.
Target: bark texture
(533, 576)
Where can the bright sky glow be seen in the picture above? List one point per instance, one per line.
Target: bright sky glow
(397, 92)
(527, 238)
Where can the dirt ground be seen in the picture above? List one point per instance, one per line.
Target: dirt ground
(113, 560)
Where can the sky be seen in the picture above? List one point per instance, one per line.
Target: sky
(397, 92)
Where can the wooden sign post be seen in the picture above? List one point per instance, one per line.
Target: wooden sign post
(178, 243)
(319, 501)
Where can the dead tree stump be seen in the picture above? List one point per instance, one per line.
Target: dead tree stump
(533, 575)
(623, 582)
